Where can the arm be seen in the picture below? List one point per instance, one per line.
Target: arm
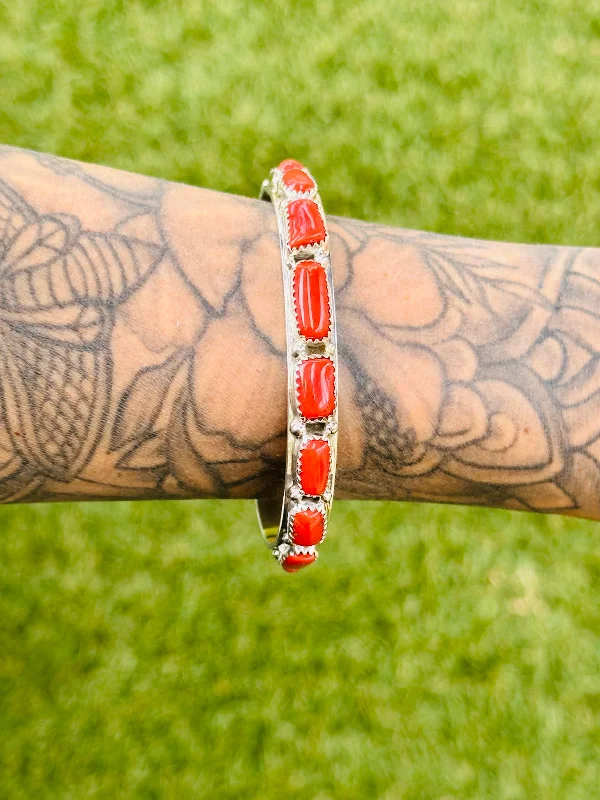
(143, 339)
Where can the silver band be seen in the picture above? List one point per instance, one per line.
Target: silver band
(276, 518)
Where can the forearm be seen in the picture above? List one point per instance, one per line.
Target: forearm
(143, 351)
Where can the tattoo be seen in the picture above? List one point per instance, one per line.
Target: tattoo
(114, 337)
(482, 358)
(143, 351)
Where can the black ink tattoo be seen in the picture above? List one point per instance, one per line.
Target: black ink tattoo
(472, 368)
(59, 288)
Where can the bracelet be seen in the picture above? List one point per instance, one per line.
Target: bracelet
(294, 528)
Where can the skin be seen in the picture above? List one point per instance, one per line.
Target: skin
(143, 351)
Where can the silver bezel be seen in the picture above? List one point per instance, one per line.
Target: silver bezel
(298, 361)
(311, 438)
(306, 505)
(300, 348)
(306, 339)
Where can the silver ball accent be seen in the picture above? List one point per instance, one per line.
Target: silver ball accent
(297, 428)
(296, 494)
(298, 350)
(327, 496)
(282, 552)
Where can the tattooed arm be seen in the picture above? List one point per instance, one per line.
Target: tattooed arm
(143, 351)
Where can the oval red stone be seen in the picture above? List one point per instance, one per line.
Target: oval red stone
(315, 382)
(289, 163)
(294, 562)
(311, 300)
(298, 181)
(313, 468)
(308, 527)
(305, 223)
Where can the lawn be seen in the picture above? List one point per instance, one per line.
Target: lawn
(153, 650)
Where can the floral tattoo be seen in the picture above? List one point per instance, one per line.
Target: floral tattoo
(142, 342)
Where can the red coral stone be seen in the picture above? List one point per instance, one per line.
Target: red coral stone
(311, 300)
(289, 163)
(314, 466)
(308, 527)
(298, 181)
(306, 224)
(315, 381)
(293, 562)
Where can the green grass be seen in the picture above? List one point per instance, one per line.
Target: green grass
(153, 650)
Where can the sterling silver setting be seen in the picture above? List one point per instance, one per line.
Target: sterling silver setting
(276, 516)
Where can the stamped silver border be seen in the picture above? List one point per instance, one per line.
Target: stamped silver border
(300, 430)
(309, 504)
(295, 307)
(326, 494)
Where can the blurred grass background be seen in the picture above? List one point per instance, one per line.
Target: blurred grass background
(153, 650)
